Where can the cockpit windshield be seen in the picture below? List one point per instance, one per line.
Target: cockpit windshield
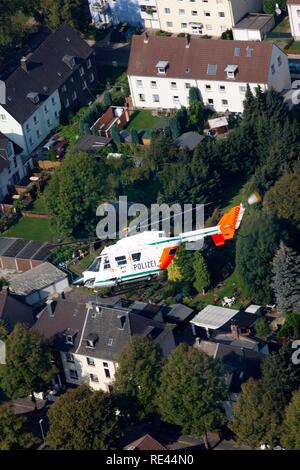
(95, 266)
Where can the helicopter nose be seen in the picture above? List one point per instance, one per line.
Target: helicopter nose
(79, 281)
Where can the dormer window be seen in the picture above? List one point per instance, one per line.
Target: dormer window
(69, 61)
(69, 336)
(231, 71)
(69, 339)
(33, 97)
(91, 340)
(162, 66)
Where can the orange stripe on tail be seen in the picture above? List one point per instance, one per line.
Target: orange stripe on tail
(227, 226)
(167, 256)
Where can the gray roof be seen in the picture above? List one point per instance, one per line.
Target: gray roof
(213, 317)
(189, 140)
(255, 21)
(24, 249)
(91, 143)
(47, 71)
(36, 279)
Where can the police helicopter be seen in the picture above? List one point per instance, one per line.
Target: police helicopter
(145, 255)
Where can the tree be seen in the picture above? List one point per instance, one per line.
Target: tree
(12, 434)
(194, 95)
(74, 192)
(255, 417)
(291, 327)
(290, 438)
(286, 281)
(181, 268)
(269, 6)
(262, 327)
(283, 199)
(280, 377)
(74, 12)
(134, 137)
(28, 367)
(137, 376)
(202, 277)
(227, 35)
(107, 99)
(175, 127)
(115, 135)
(191, 391)
(83, 419)
(255, 248)
(196, 115)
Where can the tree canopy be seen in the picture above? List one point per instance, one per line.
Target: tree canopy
(83, 419)
(12, 433)
(286, 279)
(290, 438)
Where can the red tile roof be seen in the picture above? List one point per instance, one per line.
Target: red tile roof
(293, 2)
(145, 442)
(196, 57)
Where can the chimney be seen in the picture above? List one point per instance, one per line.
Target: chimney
(24, 64)
(187, 41)
(122, 320)
(146, 38)
(50, 307)
(234, 329)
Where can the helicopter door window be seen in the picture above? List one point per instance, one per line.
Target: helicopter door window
(106, 263)
(136, 257)
(95, 266)
(121, 260)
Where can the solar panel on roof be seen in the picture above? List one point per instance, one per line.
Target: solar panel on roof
(211, 69)
(15, 248)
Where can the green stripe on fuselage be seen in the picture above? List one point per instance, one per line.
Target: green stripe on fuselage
(143, 273)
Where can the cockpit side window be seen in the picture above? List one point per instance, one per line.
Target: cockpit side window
(136, 257)
(121, 260)
(95, 266)
(106, 263)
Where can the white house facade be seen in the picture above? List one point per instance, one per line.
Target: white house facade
(205, 17)
(294, 16)
(220, 70)
(12, 169)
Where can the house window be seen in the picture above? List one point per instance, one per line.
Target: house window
(74, 95)
(181, 12)
(110, 342)
(210, 101)
(64, 88)
(46, 109)
(15, 162)
(222, 88)
(176, 99)
(187, 86)
(92, 78)
(206, 13)
(242, 89)
(70, 357)
(224, 102)
(209, 27)
(90, 361)
(94, 378)
(139, 83)
(169, 24)
(279, 61)
(194, 13)
(67, 103)
(153, 84)
(84, 86)
(30, 141)
(35, 120)
(49, 122)
(53, 101)
(173, 85)
(142, 97)
(183, 25)
(73, 374)
(27, 128)
(89, 64)
(81, 71)
(273, 69)
(107, 372)
(156, 98)
(167, 11)
(221, 14)
(38, 133)
(56, 115)
(298, 12)
(208, 87)
(2, 117)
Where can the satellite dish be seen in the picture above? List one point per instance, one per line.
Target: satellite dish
(277, 9)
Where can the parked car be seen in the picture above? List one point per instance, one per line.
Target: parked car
(52, 141)
(61, 148)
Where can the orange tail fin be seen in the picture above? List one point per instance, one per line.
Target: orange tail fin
(228, 224)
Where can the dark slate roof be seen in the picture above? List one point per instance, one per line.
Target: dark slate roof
(91, 144)
(255, 21)
(47, 71)
(13, 311)
(111, 328)
(242, 319)
(189, 140)
(67, 315)
(24, 249)
(175, 313)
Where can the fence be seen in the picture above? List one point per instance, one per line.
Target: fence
(36, 215)
(277, 35)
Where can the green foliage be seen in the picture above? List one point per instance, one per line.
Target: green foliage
(160, 32)
(227, 35)
(196, 115)
(3, 331)
(28, 366)
(194, 95)
(74, 192)
(83, 419)
(286, 281)
(255, 416)
(115, 135)
(3, 282)
(134, 137)
(269, 6)
(107, 99)
(137, 376)
(290, 438)
(262, 327)
(255, 248)
(89, 118)
(12, 434)
(202, 277)
(291, 327)
(61, 254)
(191, 391)
(74, 12)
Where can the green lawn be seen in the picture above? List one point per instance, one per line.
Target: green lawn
(38, 206)
(143, 120)
(283, 26)
(295, 46)
(31, 228)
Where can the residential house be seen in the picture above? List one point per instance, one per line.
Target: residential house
(39, 283)
(100, 13)
(206, 17)
(13, 310)
(294, 16)
(253, 27)
(219, 69)
(57, 77)
(89, 337)
(146, 442)
(12, 168)
(117, 116)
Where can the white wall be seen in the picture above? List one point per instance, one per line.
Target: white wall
(281, 79)
(44, 293)
(294, 20)
(84, 370)
(21, 136)
(246, 34)
(16, 169)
